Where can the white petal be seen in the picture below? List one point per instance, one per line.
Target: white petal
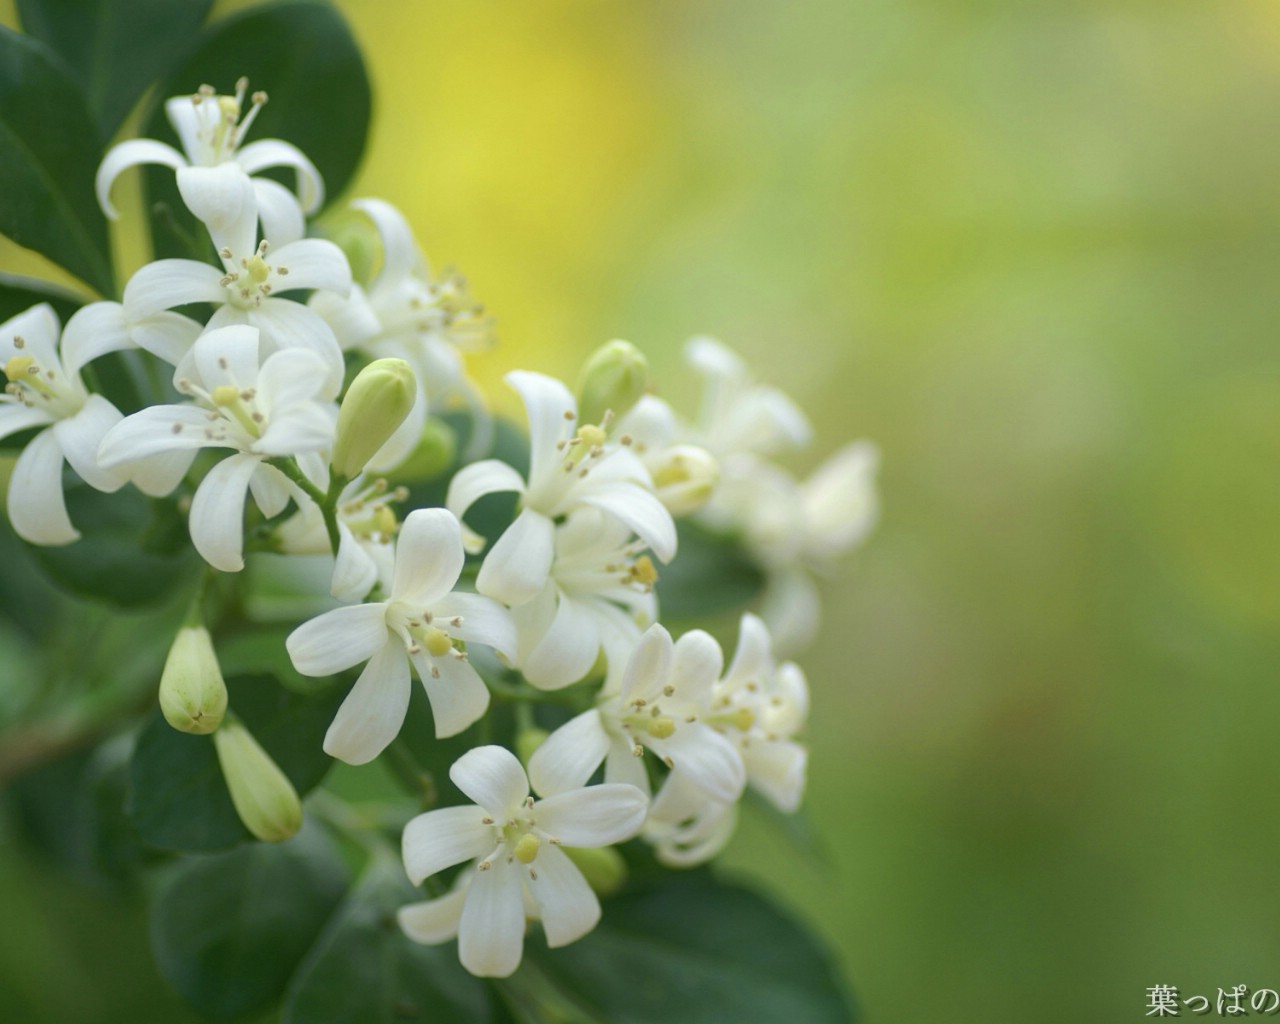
(352, 319)
(516, 567)
(793, 609)
(622, 767)
(92, 331)
(401, 257)
(167, 283)
(568, 649)
(753, 658)
(338, 639)
(546, 400)
(79, 437)
(271, 490)
(313, 263)
(217, 512)
(266, 153)
(222, 198)
(642, 511)
(158, 475)
(433, 921)
(840, 501)
(429, 556)
(706, 758)
(38, 328)
(473, 482)
(287, 324)
(439, 839)
(168, 336)
(130, 154)
(651, 422)
(777, 769)
(566, 904)
(187, 120)
(16, 417)
(570, 755)
(492, 778)
(696, 666)
(649, 666)
(491, 933)
(457, 694)
(227, 355)
(713, 358)
(279, 212)
(37, 506)
(483, 621)
(371, 716)
(159, 429)
(354, 571)
(290, 377)
(593, 815)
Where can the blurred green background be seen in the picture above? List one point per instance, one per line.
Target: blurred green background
(1029, 249)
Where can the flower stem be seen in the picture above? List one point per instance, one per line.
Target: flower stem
(328, 502)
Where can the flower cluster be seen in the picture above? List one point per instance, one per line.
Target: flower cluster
(292, 406)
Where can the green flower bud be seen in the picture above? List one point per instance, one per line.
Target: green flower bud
(263, 795)
(377, 402)
(193, 696)
(613, 379)
(686, 479)
(603, 867)
(432, 457)
(354, 233)
(528, 741)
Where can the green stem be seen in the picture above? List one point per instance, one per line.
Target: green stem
(416, 780)
(328, 502)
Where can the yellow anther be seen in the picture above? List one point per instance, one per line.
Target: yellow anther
(438, 643)
(592, 436)
(19, 367)
(644, 572)
(226, 395)
(527, 848)
(662, 728)
(384, 520)
(744, 719)
(229, 107)
(258, 268)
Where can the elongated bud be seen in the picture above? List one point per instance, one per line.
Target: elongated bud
(613, 379)
(377, 402)
(263, 795)
(602, 867)
(353, 233)
(528, 741)
(686, 479)
(433, 455)
(193, 697)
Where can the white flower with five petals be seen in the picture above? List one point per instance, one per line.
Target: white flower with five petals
(282, 406)
(421, 623)
(515, 841)
(568, 469)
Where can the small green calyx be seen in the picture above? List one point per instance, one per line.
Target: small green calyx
(378, 401)
(193, 696)
(613, 380)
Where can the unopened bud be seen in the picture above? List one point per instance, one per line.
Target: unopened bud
(603, 868)
(528, 741)
(264, 797)
(378, 401)
(613, 379)
(193, 697)
(433, 455)
(355, 234)
(686, 479)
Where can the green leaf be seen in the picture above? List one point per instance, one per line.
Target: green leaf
(49, 152)
(114, 48)
(18, 294)
(364, 967)
(229, 929)
(177, 797)
(698, 951)
(709, 576)
(304, 57)
(133, 550)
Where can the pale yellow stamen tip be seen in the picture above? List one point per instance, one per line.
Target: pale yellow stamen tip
(229, 107)
(384, 520)
(527, 848)
(438, 643)
(226, 395)
(744, 719)
(644, 572)
(662, 728)
(592, 436)
(258, 268)
(18, 367)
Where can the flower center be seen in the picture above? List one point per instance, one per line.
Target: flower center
(234, 417)
(251, 283)
(221, 129)
(368, 514)
(425, 633)
(36, 386)
(518, 838)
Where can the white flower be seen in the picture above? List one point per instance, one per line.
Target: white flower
(515, 840)
(685, 826)
(664, 705)
(45, 390)
(408, 314)
(684, 475)
(599, 595)
(568, 470)
(420, 623)
(210, 129)
(243, 290)
(283, 407)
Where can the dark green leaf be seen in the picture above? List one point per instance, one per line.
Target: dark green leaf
(49, 153)
(304, 57)
(178, 799)
(709, 576)
(115, 48)
(18, 294)
(133, 550)
(694, 950)
(229, 929)
(364, 968)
